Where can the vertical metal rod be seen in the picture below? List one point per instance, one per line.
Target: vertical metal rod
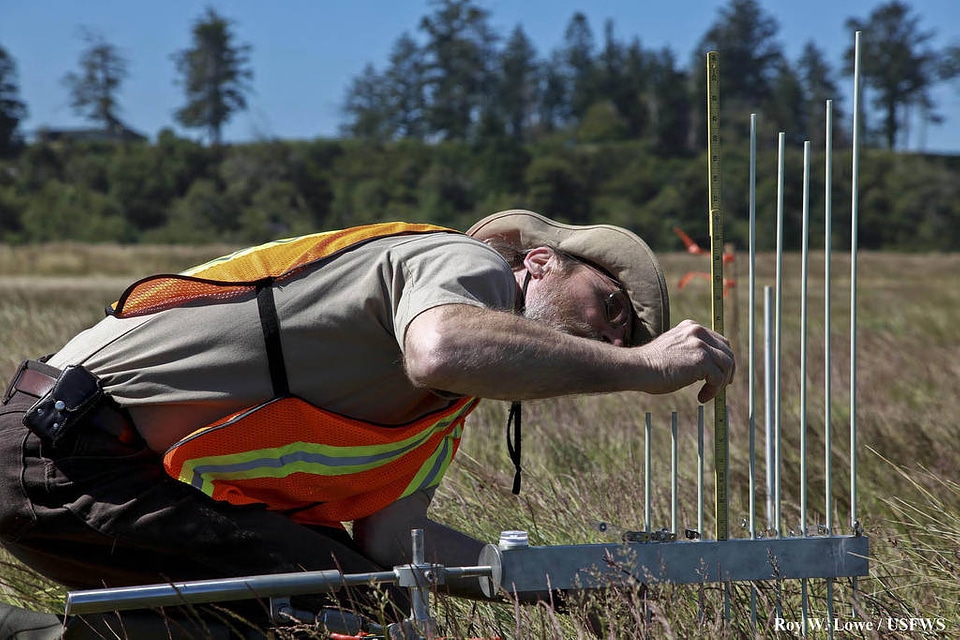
(700, 470)
(804, 263)
(854, 213)
(646, 471)
(727, 585)
(768, 396)
(751, 324)
(827, 320)
(827, 324)
(674, 470)
(778, 315)
(700, 507)
(751, 349)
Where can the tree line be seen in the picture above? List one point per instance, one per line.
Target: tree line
(462, 121)
(461, 80)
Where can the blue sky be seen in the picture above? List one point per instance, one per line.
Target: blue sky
(305, 52)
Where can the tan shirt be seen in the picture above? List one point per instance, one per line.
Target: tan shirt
(342, 328)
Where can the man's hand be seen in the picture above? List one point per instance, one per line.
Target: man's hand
(686, 354)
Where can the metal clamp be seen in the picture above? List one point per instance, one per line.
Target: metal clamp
(660, 535)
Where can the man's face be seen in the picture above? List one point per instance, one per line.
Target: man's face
(583, 302)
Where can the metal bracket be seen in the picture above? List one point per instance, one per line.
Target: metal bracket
(419, 577)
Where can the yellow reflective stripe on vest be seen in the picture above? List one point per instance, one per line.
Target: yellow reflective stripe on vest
(319, 459)
(433, 469)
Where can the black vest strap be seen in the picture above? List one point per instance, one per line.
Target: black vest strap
(270, 323)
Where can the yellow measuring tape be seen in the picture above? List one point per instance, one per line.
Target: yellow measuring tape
(721, 451)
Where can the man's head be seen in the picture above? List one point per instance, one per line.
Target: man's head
(575, 297)
(597, 281)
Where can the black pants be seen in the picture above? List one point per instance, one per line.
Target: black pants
(98, 510)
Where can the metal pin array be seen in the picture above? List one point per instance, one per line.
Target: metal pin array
(772, 360)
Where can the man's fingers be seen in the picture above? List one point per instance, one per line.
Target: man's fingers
(727, 364)
(717, 375)
(707, 393)
(692, 352)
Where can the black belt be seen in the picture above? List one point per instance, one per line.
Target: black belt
(37, 379)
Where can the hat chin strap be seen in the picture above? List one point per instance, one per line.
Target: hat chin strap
(515, 417)
(513, 446)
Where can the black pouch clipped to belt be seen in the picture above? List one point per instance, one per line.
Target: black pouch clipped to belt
(75, 393)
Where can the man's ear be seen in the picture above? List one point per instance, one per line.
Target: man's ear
(535, 261)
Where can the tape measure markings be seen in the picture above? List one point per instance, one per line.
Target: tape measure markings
(721, 442)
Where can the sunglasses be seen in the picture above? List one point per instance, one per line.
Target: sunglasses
(617, 310)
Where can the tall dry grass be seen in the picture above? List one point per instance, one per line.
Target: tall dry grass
(583, 456)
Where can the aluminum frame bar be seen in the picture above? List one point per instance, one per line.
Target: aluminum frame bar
(585, 567)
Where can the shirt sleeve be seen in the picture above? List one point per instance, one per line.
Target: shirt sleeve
(452, 269)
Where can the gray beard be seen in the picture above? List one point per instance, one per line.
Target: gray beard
(554, 310)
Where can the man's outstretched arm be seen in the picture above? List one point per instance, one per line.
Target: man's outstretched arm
(494, 354)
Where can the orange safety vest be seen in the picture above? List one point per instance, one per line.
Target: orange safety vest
(316, 466)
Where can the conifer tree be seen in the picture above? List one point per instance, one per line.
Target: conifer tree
(215, 75)
(899, 65)
(94, 90)
(12, 109)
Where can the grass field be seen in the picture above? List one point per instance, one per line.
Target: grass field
(584, 455)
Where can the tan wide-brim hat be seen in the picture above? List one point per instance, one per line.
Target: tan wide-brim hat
(621, 253)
